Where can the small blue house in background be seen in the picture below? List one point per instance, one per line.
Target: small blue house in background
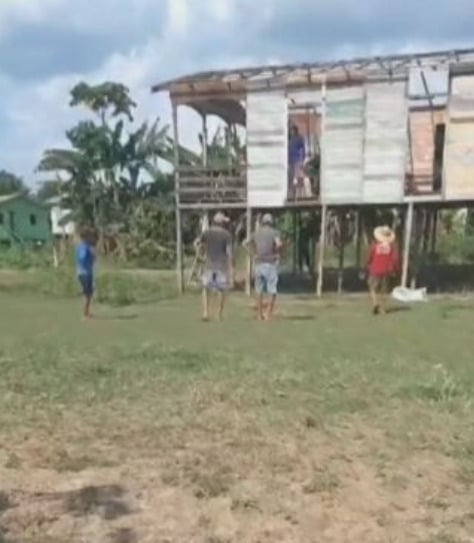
(24, 220)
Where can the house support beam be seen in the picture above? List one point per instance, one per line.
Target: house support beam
(248, 268)
(407, 243)
(179, 229)
(322, 244)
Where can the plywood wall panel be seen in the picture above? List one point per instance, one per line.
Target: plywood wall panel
(386, 142)
(459, 152)
(342, 146)
(267, 149)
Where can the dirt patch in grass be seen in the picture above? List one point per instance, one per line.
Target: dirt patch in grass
(304, 486)
(334, 428)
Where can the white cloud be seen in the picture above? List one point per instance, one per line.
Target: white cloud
(25, 11)
(172, 37)
(178, 21)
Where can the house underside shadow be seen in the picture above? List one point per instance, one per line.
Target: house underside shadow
(436, 278)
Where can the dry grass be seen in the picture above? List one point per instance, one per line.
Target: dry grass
(326, 425)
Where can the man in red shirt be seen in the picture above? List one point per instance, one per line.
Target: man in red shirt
(382, 264)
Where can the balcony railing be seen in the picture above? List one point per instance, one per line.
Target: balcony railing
(212, 185)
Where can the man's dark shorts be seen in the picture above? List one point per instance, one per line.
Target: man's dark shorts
(87, 284)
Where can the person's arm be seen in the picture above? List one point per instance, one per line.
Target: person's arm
(199, 241)
(301, 149)
(370, 257)
(230, 266)
(278, 242)
(395, 259)
(249, 244)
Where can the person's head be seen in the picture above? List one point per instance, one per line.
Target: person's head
(220, 219)
(384, 234)
(86, 234)
(267, 219)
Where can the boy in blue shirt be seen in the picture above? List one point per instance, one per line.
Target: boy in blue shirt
(85, 259)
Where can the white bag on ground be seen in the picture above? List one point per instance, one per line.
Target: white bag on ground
(409, 295)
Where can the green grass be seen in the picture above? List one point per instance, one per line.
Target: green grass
(325, 403)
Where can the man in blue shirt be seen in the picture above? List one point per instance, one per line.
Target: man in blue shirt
(85, 258)
(296, 155)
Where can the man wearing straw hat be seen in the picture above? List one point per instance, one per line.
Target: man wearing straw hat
(216, 244)
(265, 244)
(382, 264)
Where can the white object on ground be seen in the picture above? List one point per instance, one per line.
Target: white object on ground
(409, 295)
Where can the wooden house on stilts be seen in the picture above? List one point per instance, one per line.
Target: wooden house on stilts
(392, 131)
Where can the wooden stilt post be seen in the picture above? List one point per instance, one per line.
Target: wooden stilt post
(407, 243)
(179, 231)
(248, 271)
(322, 243)
(434, 231)
(359, 239)
(295, 242)
(340, 270)
(427, 229)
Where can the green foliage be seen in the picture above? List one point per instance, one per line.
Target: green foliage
(49, 189)
(114, 288)
(456, 248)
(11, 183)
(110, 173)
(25, 258)
(104, 99)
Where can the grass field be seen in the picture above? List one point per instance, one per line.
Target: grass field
(146, 425)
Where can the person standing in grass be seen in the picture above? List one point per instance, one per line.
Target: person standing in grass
(382, 265)
(216, 245)
(85, 259)
(265, 245)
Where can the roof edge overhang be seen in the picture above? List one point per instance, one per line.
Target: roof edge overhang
(291, 75)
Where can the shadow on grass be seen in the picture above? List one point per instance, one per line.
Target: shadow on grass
(296, 317)
(122, 535)
(106, 501)
(116, 317)
(399, 309)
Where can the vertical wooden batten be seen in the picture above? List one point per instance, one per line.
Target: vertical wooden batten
(407, 243)
(179, 230)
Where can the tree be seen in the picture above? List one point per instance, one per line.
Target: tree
(11, 183)
(110, 174)
(107, 99)
(48, 189)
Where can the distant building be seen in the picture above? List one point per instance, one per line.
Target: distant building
(23, 220)
(61, 224)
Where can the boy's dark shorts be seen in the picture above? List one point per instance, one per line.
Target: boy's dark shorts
(87, 284)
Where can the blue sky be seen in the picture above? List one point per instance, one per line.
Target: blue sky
(46, 46)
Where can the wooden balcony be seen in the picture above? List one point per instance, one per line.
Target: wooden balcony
(212, 185)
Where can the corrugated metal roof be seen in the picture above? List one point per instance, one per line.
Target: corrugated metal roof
(291, 74)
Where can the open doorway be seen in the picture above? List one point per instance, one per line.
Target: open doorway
(304, 152)
(438, 155)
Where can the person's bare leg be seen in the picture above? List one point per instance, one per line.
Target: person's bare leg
(86, 313)
(260, 306)
(374, 298)
(271, 307)
(205, 304)
(384, 297)
(221, 296)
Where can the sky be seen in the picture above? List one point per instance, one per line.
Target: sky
(47, 46)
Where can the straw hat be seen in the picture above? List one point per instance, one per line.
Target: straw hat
(384, 234)
(220, 218)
